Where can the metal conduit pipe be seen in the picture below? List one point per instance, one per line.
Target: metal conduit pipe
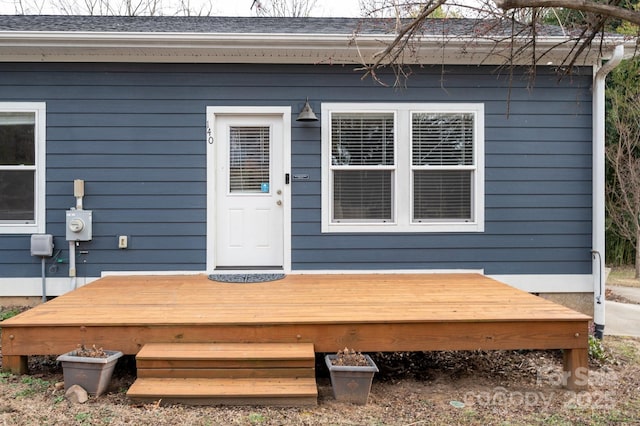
(78, 192)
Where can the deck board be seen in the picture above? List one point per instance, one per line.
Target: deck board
(297, 299)
(374, 312)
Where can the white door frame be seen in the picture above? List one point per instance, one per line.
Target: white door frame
(210, 138)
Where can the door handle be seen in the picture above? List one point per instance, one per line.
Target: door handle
(279, 202)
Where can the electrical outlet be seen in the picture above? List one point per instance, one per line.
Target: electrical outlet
(123, 241)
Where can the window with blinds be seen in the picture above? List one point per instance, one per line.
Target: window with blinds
(441, 195)
(362, 166)
(17, 167)
(442, 163)
(249, 159)
(402, 167)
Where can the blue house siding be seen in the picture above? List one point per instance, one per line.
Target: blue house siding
(135, 134)
(538, 187)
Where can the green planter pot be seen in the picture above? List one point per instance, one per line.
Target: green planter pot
(92, 374)
(351, 383)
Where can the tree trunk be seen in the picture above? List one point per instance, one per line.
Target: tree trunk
(638, 252)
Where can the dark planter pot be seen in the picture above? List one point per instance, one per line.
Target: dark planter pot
(92, 374)
(351, 383)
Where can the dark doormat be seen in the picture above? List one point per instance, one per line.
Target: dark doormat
(245, 278)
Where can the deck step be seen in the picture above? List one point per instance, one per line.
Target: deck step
(226, 374)
(276, 392)
(231, 357)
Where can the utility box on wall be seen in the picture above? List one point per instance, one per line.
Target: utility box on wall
(42, 245)
(79, 225)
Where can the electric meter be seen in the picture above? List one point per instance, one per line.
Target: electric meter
(79, 225)
(76, 225)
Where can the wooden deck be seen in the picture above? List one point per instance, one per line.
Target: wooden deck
(416, 312)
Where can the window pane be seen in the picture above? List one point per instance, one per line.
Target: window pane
(17, 138)
(441, 194)
(249, 159)
(16, 196)
(442, 139)
(362, 195)
(362, 139)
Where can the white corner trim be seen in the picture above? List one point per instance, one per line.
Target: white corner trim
(551, 283)
(18, 287)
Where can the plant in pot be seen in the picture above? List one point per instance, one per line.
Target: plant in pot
(91, 368)
(351, 375)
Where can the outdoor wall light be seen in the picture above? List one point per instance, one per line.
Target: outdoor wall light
(307, 113)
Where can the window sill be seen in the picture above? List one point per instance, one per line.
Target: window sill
(396, 228)
(21, 229)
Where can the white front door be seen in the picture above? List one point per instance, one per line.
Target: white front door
(249, 186)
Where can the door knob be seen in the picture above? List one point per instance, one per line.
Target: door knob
(279, 202)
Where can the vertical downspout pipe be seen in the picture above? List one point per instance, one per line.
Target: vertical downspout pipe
(598, 219)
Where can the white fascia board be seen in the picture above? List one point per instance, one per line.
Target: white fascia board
(385, 271)
(150, 273)
(261, 48)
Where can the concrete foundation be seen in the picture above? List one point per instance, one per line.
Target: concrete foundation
(581, 302)
(20, 300)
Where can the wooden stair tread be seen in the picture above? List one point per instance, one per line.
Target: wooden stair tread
(282, 392)
(177, 356)
(226, 351)
(224, 387)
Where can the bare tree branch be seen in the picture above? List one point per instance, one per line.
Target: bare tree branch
(284, 8)
(526, 27)
(609, 10)
(390, 55)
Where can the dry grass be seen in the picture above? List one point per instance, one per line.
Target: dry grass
(623, 276)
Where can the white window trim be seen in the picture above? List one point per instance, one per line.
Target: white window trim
(402, 182)
(40, 110)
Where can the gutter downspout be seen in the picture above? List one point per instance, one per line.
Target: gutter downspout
(598, 219)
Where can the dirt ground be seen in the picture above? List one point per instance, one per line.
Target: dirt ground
(431, 388)
(444, 388)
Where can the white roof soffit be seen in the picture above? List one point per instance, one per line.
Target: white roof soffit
(38, 46)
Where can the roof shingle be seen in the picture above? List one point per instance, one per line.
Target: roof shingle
(247, 25)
